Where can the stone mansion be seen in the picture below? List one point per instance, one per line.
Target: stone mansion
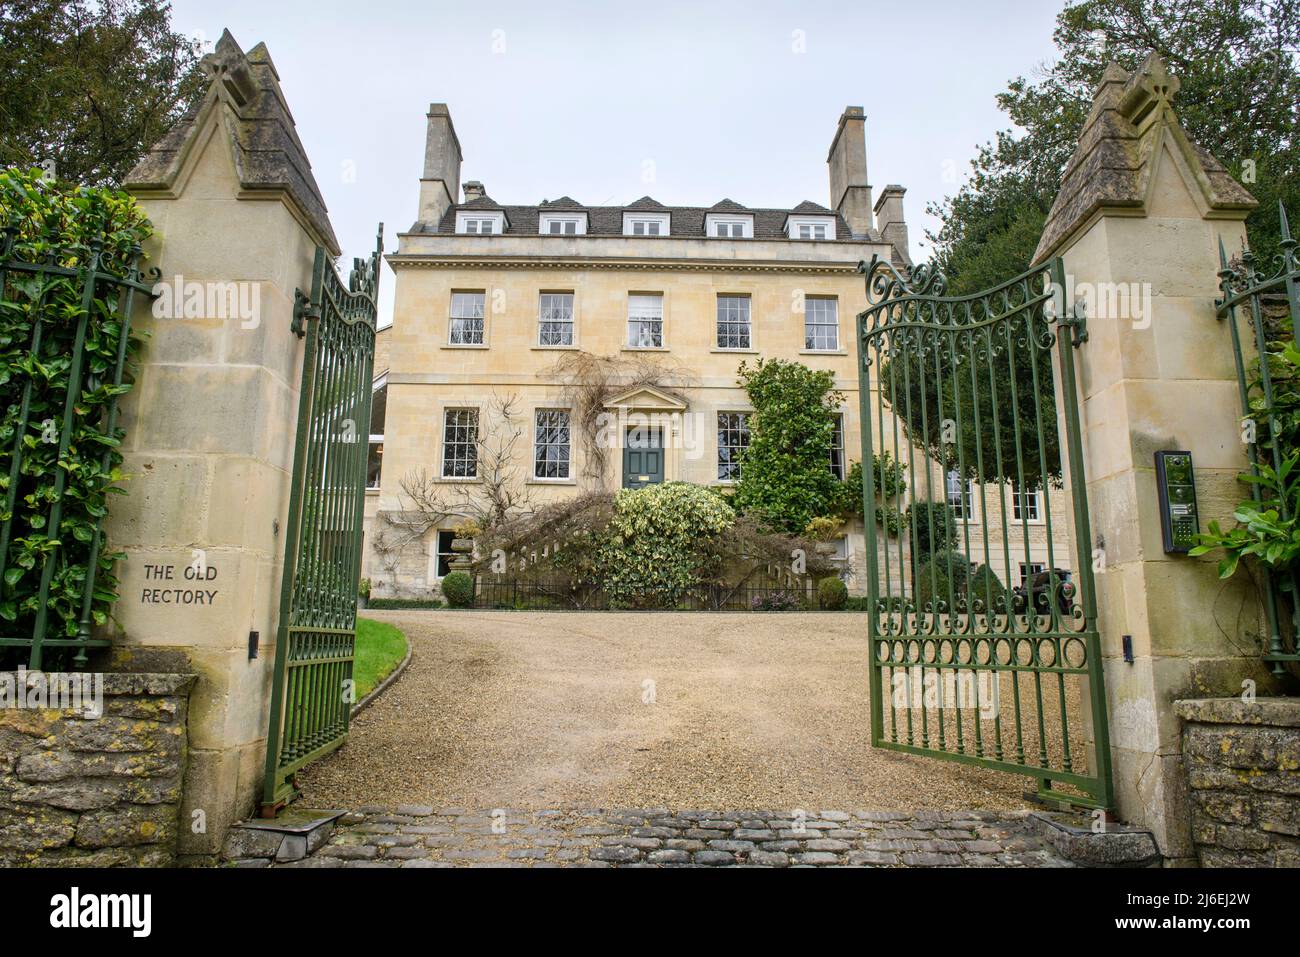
(504, 314)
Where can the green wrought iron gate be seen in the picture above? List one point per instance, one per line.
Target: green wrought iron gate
(983, 629)
(312, 695)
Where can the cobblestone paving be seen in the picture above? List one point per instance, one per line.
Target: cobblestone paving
(412, 836)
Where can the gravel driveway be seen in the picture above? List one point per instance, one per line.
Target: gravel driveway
(555, 710)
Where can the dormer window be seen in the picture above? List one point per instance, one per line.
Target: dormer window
(480, 223)
(810, 227)
(562, 224)
(729, 227)
(645, 224)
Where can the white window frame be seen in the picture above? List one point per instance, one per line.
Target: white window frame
(567, 464)
(457, 304)
(472, 444)
(438, 553)
(1034, 499)
(966, 512)
(842, 472)
(641, 299)
(1034, 568)
(661, 222)
(713, 220)
(376, 438)
(495, 220)
(808, 311)
(740, 427)
(543, 321)
(578, 221)
(795, 227)
(748, 322)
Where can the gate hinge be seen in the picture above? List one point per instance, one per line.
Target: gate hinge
(304, 310)
(1077, 322)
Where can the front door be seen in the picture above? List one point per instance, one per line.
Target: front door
(643, 457)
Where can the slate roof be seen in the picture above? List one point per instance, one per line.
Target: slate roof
(483, 202)
(264, 141)
(686, 222)
(812, 209)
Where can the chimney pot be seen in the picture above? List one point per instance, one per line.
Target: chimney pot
(474, 190)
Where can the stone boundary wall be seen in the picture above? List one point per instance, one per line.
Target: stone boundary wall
(1243, 768)
(80, 790)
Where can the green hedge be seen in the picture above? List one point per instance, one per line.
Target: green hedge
(57, 223)
(379, 604)
(458, 589)
(832, 594)
(942, 580)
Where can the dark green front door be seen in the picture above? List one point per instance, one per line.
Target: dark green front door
(643, 458)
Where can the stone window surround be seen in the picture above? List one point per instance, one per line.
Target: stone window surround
(533, 477)
(1031, 568)
(720, 411)
(376, 438)
(662, 296)
(573, 319)
(838, 348)
(452, 317)
(444, 410)
(970, 513)
(749, 322)
(1036, 516)
(842, 472)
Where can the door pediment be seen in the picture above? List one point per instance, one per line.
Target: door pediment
(647, 397)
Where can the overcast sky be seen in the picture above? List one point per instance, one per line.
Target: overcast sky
(606, 102)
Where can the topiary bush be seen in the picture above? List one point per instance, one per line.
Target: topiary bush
(59, 224)
(458, 589)
(660, 542)
(832, 594)
(987, 589)
(942, 580)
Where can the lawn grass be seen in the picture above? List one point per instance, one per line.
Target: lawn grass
(380, 649)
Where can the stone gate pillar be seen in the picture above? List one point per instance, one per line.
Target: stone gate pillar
(1138, 221)
(211, 422)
